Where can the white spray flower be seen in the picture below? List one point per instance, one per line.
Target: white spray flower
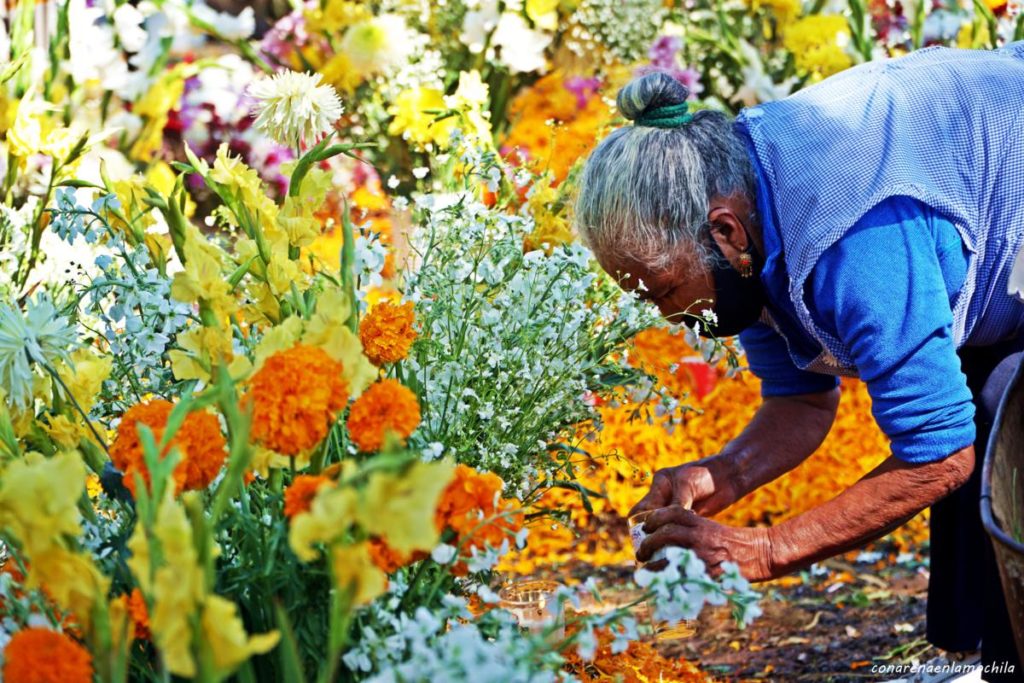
(41, 336)
(295, 108)
(522, 48)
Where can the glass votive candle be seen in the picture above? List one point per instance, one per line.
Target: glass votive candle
(661, 631)
(534, 603)
(637, 534)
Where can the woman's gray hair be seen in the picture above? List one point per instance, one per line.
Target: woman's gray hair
(645, 190)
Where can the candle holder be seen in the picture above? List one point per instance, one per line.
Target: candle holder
(534, 604)
(660, 630)
(637, 534)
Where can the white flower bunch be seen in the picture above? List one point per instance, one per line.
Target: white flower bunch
(512, 342)
(681, 589)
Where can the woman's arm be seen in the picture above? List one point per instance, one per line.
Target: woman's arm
(884, 499)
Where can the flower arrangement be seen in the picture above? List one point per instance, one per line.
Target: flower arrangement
(298, 352)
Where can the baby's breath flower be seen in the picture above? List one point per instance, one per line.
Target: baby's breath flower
(295, 108)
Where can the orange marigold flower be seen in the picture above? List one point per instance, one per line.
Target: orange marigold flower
(472, 497)
(387, 333)
(139, 613)
(387, 559)
(296, 397)
(39, 655)
(299, 496)
(198, 440)
(386, 407)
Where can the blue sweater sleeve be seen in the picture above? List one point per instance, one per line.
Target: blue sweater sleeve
(884, 289)
(769, 359)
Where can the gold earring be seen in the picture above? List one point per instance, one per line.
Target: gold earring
(746, 265)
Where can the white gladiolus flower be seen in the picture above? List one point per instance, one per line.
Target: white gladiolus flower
(295, 108)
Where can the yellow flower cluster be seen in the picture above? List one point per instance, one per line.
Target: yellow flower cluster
(638, 448)
(179, 596)
(817, 43)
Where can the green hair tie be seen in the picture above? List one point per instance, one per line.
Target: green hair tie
(668, 116)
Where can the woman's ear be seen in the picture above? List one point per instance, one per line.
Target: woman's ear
(728, 230)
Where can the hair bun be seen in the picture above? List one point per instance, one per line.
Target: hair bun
(650, 91)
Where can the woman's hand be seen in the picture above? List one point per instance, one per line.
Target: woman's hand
(750, 548)
(704, 486)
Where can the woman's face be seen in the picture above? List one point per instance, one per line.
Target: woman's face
(685, 286)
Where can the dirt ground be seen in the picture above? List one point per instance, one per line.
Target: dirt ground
(828, 630)
(831, 624)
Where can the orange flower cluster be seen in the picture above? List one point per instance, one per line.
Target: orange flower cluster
(39, 655)
(295, 397)
(371, 210)
(387, 333)
(640, 663)
(198, 440)
(387, 407)
(139, 614)
(637, 448)
(553, 127)
(387, 559)
(299, 496)
(471, 498)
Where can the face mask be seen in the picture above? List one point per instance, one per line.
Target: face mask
(738, 300)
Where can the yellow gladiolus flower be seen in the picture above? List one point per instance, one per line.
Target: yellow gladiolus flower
(333, 509)
(31, 126)
(64, 431)
(39, 499)
(203, 278)
(399, 507)
(354, 570)
(225, 636)
(176, 587)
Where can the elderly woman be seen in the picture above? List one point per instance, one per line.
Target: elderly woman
(865, 226)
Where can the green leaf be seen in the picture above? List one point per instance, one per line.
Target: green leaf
(291, 660)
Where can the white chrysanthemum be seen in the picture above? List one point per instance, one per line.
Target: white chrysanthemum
(295, 108)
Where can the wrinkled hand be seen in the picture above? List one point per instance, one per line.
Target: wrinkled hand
(701, 486)
(714, 543)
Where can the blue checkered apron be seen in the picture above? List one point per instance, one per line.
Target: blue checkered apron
(940, 125)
